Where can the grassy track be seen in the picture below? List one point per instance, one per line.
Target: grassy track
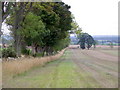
(75, 69)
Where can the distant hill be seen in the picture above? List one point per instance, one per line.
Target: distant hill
(113, 38)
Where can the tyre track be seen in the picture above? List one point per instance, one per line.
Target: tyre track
(106, 66)
(94, 72)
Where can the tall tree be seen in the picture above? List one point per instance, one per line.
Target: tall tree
(19, 10)
(57, 19)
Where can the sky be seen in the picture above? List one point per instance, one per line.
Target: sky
(5, 29)
(96, 17)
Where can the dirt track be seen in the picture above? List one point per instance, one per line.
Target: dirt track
(75, 69)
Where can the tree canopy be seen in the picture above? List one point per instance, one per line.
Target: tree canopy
(43, 25)
(85, 40)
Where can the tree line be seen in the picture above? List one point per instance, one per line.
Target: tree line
(43, 26)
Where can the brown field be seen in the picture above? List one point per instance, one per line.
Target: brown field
(94, 68)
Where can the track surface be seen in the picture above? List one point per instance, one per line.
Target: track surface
(75, 69)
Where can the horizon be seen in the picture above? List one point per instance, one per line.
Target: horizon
(96, 35)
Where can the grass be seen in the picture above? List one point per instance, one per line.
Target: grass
(62, 73)
(72, 70)
(13, 68)
(43, 77)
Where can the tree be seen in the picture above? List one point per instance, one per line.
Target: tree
(75, 28)
(33, 31)
(42, 25)
(87, 39)
(57, 19)
(81, 38)
(19, 10)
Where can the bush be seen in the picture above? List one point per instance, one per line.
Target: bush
(26, 51)
(8, 52)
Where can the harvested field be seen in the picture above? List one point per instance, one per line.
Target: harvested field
(75, 69)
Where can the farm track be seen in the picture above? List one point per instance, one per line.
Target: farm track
(75, 69)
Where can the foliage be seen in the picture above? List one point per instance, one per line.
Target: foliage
(8, 52)
(62, 44)
(85, 39)
(75, 27)
(42, 25)
(26, 51)
(33, 29)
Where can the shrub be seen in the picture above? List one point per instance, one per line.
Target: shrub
(8, 52)
(26, 51)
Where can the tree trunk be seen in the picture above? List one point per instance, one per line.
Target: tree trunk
(43, 51)
(19, 12)
(17, 43)
(33, 49)
(36, 48)
(50, 51)
(46, 50)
